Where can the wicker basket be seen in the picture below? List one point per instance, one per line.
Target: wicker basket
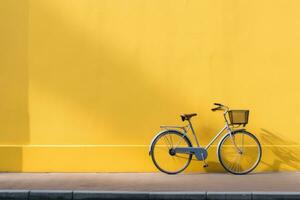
(238, 117)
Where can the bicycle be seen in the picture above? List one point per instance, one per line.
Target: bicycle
(239, 151)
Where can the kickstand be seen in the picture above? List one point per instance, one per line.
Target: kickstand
(205, 164)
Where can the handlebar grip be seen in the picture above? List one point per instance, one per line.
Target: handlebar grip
(215, 109)
(218, 104)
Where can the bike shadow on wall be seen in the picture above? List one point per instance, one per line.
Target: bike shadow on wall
(278, 153)
(281, 152)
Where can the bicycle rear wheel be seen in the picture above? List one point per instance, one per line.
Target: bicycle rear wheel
(241, 153)
(163, 155)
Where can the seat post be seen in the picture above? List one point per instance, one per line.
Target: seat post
(190, 123)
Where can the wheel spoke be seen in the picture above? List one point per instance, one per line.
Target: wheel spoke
(239, 166)
(179, 141)
(171, 138)
(168, 142)
(233, 166)
(242, 143)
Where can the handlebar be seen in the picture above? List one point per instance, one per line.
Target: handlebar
(218, 104)
(215, 109)
(220, 107)
(223, 108)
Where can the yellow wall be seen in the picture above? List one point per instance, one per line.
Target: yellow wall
(101, 76)
(13, 72)
(14, 118)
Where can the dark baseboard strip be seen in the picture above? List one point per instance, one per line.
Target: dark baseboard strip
(120, 195)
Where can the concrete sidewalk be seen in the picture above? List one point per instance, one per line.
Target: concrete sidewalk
(96, 186)
(288, 181)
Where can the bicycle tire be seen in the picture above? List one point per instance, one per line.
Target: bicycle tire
(234, 134)
(153, 152)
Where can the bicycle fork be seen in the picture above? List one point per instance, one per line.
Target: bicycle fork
(233, 141)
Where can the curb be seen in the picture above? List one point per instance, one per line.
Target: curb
(275, 195)
(229, 195)
(51, 194)
(104, 195)
(93, 195)
(14, 194)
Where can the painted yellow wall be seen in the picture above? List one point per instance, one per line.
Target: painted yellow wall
(103, 75)
(13, 72)
(14, 117)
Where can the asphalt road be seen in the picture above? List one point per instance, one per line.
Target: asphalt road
(283, 181)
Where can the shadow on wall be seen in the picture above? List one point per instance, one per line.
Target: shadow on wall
(283, 151)
(95, 79)
(279, 153)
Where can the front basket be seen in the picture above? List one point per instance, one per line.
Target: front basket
(238, 117)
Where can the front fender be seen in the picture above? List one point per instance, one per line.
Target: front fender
(157, 135)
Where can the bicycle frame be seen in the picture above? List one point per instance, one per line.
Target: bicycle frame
(190, 127)
(199, 151)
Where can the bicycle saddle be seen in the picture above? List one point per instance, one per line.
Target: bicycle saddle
(187, 116)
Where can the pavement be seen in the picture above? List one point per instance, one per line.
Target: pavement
(284, 185)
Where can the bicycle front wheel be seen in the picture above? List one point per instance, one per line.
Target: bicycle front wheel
(240, 152)
(163, 155)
